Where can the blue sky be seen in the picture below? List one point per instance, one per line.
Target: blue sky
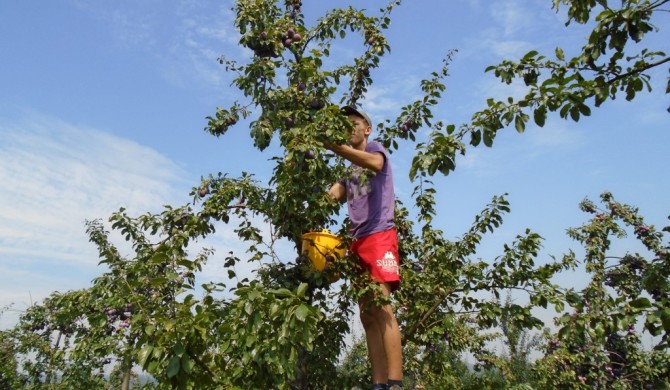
(103, 105)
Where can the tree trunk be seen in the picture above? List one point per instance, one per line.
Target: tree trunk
(51, 375)
(125, 385)
(127, 372)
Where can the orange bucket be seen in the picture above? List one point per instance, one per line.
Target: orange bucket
(318, 245)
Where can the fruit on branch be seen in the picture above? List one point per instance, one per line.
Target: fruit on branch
(260, 45)
(408, 126)
(316, 104)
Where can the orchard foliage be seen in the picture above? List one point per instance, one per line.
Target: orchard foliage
(272, 322)
(598, 343)
(611, 63)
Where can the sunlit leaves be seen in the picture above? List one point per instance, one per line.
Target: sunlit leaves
(572, 86)
(623, 292)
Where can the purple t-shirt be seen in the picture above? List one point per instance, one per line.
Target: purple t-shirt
(370, 196)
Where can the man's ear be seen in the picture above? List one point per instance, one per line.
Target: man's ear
(368, 130)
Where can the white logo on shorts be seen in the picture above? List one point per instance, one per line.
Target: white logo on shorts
(389, 263)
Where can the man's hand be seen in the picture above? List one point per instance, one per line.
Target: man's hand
(338, 192)
(334, 147)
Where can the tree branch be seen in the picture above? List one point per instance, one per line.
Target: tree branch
(202, 365)
(639, 70)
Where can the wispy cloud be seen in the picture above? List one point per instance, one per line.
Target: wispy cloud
(522, 149)
(512, 16)
(195, 33)
(514, 25)
(55, 176)
(201, 37)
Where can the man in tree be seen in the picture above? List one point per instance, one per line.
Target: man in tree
(371, 202)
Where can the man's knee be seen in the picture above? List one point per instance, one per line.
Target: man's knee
(376, 316)
(368, 319)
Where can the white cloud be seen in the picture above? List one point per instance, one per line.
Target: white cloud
(195, 33)
(511, 148)
(559, 134)
(512, 15)
(133, 30)
(515, 28)
(201, 37)
(55, 176)
(379, 102)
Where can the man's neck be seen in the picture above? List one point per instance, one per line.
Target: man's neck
(361, 146)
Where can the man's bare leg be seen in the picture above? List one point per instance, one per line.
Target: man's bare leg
(383, 338)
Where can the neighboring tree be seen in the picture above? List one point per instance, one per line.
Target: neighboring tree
(512, 366)
(355, 367)
(8, 362)
(598, 345)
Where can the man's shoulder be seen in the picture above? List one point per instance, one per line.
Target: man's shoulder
(374, 146)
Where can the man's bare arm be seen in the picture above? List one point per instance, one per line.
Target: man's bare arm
(373, 161)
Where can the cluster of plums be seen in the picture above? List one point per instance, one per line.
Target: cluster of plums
(122, 315)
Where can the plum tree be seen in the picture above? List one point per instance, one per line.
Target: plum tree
(266, 329)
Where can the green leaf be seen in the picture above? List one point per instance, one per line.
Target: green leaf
(144, 354)
(476, 137)
(574, 113)
(641, 303)
(585, 110)
(559, 54)
(179, 349)
(530, 54)
(519, 124)
(413, 168)
(187, 364)
(173, 366)
(447, 165)
(158, 282)
(302, 289)
(540, 115)
(488, 138)
(564, 111)
(159, 258)
(665, 319)
(150, 329)
(282, 293)
(301, 312)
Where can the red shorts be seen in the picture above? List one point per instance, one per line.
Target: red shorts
(378, 254)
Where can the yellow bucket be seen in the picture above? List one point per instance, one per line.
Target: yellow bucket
(318, 245)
